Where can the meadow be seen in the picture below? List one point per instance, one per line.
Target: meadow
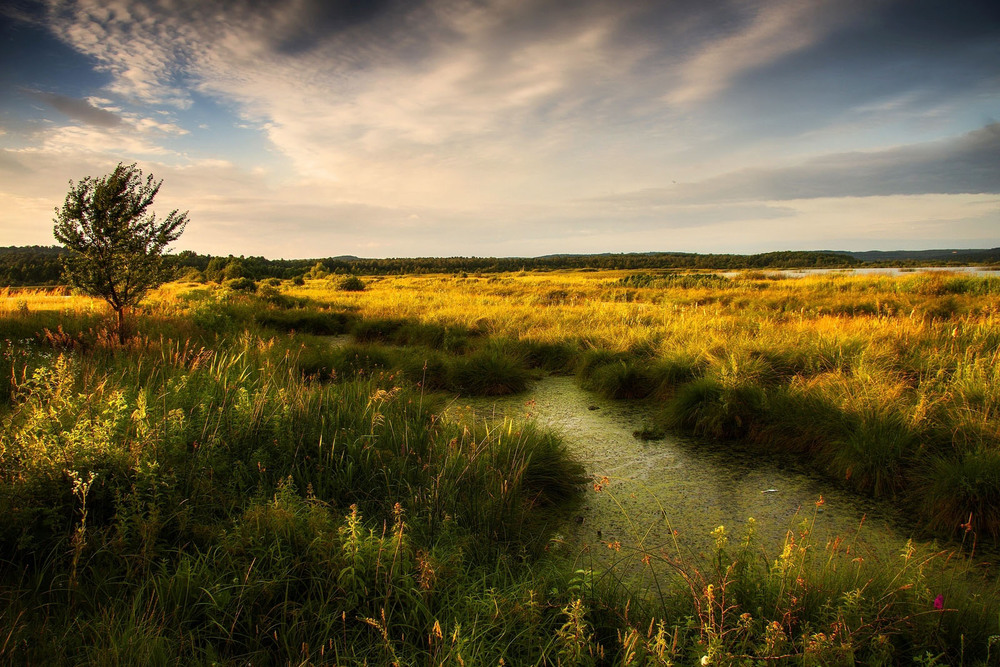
(888, 383)
(263, 474)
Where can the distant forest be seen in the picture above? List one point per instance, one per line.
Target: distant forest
(42, 265)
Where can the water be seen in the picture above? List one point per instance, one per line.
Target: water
(895, 271)
(684, 485)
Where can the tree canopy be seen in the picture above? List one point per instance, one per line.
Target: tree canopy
(115, 243)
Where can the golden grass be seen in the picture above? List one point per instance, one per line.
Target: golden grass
(15, 301)
(923, 345)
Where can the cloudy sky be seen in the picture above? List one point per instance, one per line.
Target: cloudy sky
(381, 128)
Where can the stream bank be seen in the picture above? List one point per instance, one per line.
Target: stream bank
(681, 484)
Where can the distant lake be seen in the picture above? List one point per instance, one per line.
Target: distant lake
(978, 271)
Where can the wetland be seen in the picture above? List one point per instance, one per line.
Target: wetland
(533, 468)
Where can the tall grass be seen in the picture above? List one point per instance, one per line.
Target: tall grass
(835, 602)
(887, 383)
(166, 502)
(228, 489)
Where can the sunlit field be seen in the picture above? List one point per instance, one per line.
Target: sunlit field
(262, 474)
(890, 383)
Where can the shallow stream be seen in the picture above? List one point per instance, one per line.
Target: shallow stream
(685, 485)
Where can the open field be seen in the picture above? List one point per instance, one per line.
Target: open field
(230, 487)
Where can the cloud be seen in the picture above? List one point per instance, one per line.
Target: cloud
(967, 165)
(127, 41)
(78, 109)
(79, 140)
(772, 31)
(496, 121)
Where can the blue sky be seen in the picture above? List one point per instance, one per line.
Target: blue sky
(309, 128)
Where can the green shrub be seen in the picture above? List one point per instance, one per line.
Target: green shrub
(343, 363)
(621, 380)
(557, 357)
(241, 285)
(351, 284)
(367, 331)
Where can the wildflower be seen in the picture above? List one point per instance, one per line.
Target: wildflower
(821, 501)
(705, 660)
(615, 546)
(939, 602)
(720, 537)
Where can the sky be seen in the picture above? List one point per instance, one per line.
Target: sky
(402, 128)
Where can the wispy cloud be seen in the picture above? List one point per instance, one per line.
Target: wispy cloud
(767, 32)
(967, 165)
(78, 109)
(496, 122)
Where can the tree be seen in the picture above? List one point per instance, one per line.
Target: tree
(116, 246)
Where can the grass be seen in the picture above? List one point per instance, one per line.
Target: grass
(230, 487)
(880, 381)
(169, 503)
(836, 602)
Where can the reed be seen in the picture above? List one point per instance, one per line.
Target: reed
(884, 382)
(231, 487)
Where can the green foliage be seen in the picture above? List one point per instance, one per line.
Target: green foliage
(304, 320)
(709, 408)
(198, 496)
(402, 332)
(875, 452)
(116, 246)
(675, 280)
(351, 284)
(245, 285)
(489, 372)
(236, 513)
(556, 357)
(963, 493)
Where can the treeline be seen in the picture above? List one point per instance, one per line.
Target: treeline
(925, 257)
(41, 265)
(30, 265)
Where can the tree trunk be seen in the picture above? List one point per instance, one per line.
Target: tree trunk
(120, 313)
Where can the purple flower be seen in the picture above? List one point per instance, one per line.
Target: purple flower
(939, 602)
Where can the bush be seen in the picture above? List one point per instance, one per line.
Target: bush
(351, 284)
(368, 331)
(550, 356)
(241, 285)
